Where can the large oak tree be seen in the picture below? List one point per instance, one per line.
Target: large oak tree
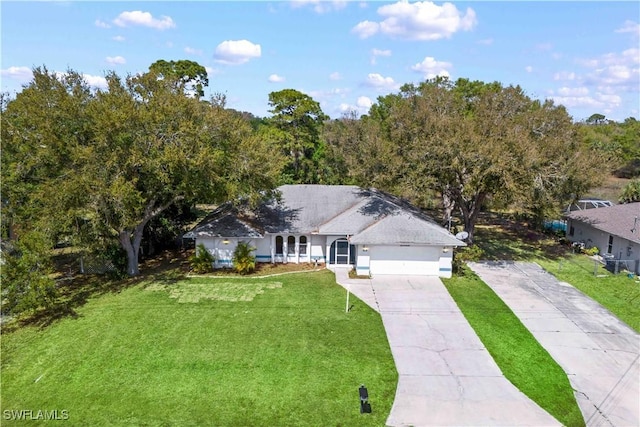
(472, 143)
(113, 159)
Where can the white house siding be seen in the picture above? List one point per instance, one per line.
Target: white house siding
(318, 244)
(446, 262)
(263, 249)
(363, 260)
(418, 260)
(223, 253)
(592, 237)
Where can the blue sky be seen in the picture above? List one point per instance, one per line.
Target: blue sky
(584, 55)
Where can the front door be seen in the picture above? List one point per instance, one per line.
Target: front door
(341, 252)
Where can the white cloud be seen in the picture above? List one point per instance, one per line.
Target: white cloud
(580, 97)
(615, 69)
(320, 6)
(630, 27)
(119, 38)
(528, 69)
(364, 102)
(378, 81)
(211, 71)
(378, 52)
(418, 21)
(236, 52)
(191, 51)
(20, 74)
(101, 24)
(95, 81)
(366, 29)
(328, 94)
(431, 68)
(573, 91)
(144, 19)
(564, 76)
(115, 60)
(335, 76)
(274, 78)
(362, 106)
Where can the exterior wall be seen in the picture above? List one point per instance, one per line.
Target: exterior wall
(263, 249)
(318, 249)
(446, 262)
(363, 260)
(294, 252)
(222, 252)
(419, 260)
(590, 236)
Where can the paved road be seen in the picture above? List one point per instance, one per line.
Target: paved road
(446, 377)
(599, 353)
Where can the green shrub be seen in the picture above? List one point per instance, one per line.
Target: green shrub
(26, 276)
(202, 261)
(243, 259)
(463, 255)
(592, 251)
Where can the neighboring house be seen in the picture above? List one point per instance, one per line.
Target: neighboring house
(614, 230)
(372, 231)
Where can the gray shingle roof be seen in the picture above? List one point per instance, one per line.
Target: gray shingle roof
(405, 229)
(223, 222)
(369, 216)
(618, 220)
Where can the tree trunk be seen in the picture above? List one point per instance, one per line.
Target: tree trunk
(130, 240)
(470, 211)
(132, 253)
(448, 205)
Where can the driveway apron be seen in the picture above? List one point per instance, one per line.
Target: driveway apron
(599, 353)
(446, 377)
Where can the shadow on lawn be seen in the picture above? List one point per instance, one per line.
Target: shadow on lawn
(76, 289)
(504, 239)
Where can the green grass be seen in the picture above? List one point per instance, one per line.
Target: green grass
(617, 292)
(258, 352)
(520, 357)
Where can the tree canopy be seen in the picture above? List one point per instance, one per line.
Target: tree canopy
(473, 143)
(183, 74)
(296, 126)
(100, 165)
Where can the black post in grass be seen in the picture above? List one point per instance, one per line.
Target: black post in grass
(365, 406)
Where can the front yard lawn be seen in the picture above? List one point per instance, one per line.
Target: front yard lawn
(278, 351)
(520, 357)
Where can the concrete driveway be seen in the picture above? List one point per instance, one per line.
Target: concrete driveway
(446, 376)
(599, 353)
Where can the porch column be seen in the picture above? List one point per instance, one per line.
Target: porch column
(272, 249)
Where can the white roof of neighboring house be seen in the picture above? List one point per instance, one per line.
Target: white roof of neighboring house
(618, 220)
(367, 216)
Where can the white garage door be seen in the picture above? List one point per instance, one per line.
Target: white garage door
(419, 260)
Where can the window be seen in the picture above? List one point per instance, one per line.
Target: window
(303, 245)
(291, 245)
(279, 245)
(610, 246)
